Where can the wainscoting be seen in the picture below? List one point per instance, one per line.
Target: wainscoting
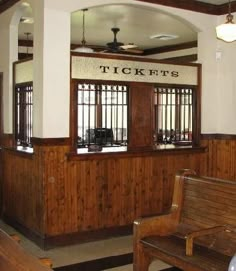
(69, 198)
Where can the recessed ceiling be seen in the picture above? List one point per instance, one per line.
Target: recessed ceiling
(137, 24)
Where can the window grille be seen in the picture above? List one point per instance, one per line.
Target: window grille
(102, 114)
(24, 114)
(173, 120)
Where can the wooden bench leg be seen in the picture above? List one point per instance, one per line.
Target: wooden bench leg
(46, 261)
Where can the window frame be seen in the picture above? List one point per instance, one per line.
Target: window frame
(25, 134)
(74, 106)
(132, 87)
(196, 105)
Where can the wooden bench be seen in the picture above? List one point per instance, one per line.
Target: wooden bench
(198, 233)
(14, 258)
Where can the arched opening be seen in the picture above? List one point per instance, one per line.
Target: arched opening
(159, 35)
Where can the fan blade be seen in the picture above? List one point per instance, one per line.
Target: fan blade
(128, 46)
(134, 51)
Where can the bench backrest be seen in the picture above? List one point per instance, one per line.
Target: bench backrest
(208, 202)
(14, 258)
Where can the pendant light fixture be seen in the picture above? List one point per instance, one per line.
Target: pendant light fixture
(227, 31)
(83, 48)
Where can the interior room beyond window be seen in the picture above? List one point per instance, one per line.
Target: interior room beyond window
(173, 115)
(24, 114)
(102, 114)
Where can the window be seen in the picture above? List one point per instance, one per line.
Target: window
(102, 114)
(23, 114)
(173, 120)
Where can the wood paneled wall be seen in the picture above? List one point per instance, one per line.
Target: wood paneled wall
(22, 190)
(221, 158)
(52, 196)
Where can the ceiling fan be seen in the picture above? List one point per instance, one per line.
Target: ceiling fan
(119, 47)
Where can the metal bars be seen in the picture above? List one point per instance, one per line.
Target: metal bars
(24, 114)
(102, 114)
(173, 119)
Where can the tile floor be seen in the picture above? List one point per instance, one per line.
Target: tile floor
(62, 256)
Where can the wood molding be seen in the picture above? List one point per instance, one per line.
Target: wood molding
(131, 58)
(147, 52)
(196, 6)
(170, 48)
(218, 137)
(183, 59)
(187, 150)
(26, 43)
(23, 56)
(6, 4)
(48, 242)
(183, 4)
(1, 107)
(50, 141)
(86, 236)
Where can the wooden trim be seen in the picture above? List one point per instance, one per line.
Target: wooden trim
(198, 108)
(50, 141)
(21, 61)
(196, 6)
(87, 236)
(73, 156)
(218, 136)
(183, 59)
(1, 107)
(73, 113)
(23, 56)
(6, 4)
(48, 242)
(26, 43)
(170, 48)
(24, 154)
(131, 58)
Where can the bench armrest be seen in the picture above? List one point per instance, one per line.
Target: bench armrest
(189, 237)
(159, 224)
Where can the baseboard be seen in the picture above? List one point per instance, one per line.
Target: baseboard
(87, 236)
(47, 242)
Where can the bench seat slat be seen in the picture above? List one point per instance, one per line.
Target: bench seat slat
(199, 204)
(173, 248)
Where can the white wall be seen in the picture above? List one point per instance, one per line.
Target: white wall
(51, 72)
(8, 54)
(51, 67)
